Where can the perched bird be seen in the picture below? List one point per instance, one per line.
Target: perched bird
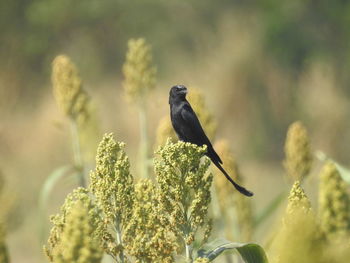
(189, 129)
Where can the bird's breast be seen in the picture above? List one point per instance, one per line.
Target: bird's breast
(178, 122)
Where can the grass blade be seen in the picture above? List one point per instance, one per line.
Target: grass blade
(46, 190)
(270, 208)
(343, 171)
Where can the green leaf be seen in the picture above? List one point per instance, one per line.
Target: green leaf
(250, 252)
(321, 156)
(47, 188)
(270, 208)
(51, 181)
(343, 171)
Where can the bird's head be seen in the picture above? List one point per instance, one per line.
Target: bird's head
(177, 92)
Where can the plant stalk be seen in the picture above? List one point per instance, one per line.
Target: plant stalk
(189, 253)
(78, 160)
(119, 241)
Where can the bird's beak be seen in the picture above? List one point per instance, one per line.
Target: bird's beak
(184, 91)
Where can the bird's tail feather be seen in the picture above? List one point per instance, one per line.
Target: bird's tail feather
(239, 188)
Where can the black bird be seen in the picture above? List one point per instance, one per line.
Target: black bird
(189, 129)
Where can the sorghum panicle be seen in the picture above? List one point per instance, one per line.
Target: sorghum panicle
(138, 70)
(334, 202)
(184, 187)
(148, 235)
(68, 91)
(75, 232)
(112, 185)
(298, 158)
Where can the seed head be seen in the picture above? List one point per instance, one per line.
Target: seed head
(112, 185)
(298, 200)
(298, 154)
(334, 202)
(74, 236)
(298, 238)
(184, 187)
(79, 242)
(68, 91)
(138, 69)
(147, 236)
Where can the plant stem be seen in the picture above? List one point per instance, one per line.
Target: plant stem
(119, 241)
(78, 160)
(189, 253)
(143, 140)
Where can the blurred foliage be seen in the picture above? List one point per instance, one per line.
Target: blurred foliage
(281, 39)
(296, 31)
(4, 219)
(33, 31)
(10, 214)
(4, 257)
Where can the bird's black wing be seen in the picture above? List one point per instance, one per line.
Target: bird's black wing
(194, 133)
(193, 130)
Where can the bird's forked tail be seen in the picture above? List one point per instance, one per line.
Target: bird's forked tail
(241, 189)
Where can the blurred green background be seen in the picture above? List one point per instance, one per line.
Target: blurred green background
(260, 64)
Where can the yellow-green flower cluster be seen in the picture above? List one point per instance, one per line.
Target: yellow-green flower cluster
(147, 236)
(298, 238)
(78, 242)
(112, 185)
(138, 69)
(297, 200)
(184, 187)
(73, 237)
(334, 202)
(68, 91)
(297, 150)
(228, 197)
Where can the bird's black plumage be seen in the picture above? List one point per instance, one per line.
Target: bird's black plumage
(189, 129)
